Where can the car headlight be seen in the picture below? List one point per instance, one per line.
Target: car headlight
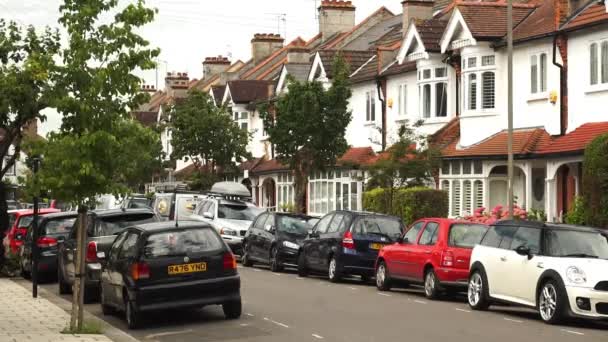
(575, 275)
(291, 245)
(228, 231)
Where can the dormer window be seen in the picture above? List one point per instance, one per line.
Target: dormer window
(433, 86)
(479, 74)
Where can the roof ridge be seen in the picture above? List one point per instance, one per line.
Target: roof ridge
(272, 56)
(359, 25)
(579, 11)
(493, 4)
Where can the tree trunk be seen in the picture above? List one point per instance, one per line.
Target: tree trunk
(78, 287)
(300, 183)
(3, 220)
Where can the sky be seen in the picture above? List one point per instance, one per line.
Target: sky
(187, 31)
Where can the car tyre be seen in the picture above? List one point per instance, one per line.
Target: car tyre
(64, 288)
(477, 293)
(431, 290)
(106, 310)
(133, 317)
(233, 309)
(334, 270)
(25, 274)
(302, 268)
(552, 302)
(245, 260)
(275, 263)
(383, 279)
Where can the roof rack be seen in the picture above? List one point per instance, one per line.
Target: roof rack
(230, 191)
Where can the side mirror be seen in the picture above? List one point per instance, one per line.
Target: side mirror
(314, 234)
(208, 215)
(269, 228)
(524, 251)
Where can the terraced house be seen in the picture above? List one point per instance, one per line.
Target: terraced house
(445, 63)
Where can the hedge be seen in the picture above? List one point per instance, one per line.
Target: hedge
(410, 204)
(595, 182)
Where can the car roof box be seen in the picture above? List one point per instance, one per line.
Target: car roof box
(230, 189)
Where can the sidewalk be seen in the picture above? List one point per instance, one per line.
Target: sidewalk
(23, 318)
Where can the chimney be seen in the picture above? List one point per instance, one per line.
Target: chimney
(416, 9)
(214, 65)
(176, 84)
(264, 45)
(335, 16)
(298, 55)
(227, 76)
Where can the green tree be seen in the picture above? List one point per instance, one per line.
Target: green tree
(27, 63)
(595, 183)
(206, 135)
(307, 126)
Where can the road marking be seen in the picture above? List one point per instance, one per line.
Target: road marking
(257, 270)
(384, 294)
(168, 333)
(248, 314)
(317, 336)
(277, 323)
(299, 278)
(244, 324)
(463, 310)
(419, 301)
(512, 320)
(277, 274)
(573, 332)
(352, 288)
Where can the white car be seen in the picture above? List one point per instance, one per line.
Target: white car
(560, 270)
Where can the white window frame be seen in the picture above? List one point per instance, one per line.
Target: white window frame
(600, 68)
(370, 106)
(540, 74)
(285, 190)
(324, 196)
(402, 100)
(238, 118)
(462, 205)
(478, 69)
(432, 81)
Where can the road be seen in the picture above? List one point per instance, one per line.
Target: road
(285, 307)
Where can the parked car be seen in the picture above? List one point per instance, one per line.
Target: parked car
(19, 221)
(230, 217)
(102, 228)
(275, 239)
(52, 230)
(175, 205)
(162, 266)
(136, 201)
(347, 243)
(433, 252)
(560, 270)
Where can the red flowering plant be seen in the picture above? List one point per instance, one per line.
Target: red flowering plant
(480, 215)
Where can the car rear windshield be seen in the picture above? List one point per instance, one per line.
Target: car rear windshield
(25, 221)
(61, 226)
(466, 235)
(241, 212)
(573, 243)
(293, 225)
(182, 242)
(383, 226)
(114, 225)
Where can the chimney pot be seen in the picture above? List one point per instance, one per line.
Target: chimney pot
(265, 44)
(416, 9)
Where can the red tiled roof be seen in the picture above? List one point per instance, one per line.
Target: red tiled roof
(430, 32)
(271, 165)
(147, 119)
(447, 134)
(355, 59)
(250, 164)
(245, 91)
(540, 22)
(593, 14)
(525, 142)
(397, 68)
(357, 156)
(489, 19)
(576, 140)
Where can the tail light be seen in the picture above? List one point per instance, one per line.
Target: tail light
(447, 259)
(347, 241)
(45, 242)
(229, 261)
(140, 270)
(91, 252)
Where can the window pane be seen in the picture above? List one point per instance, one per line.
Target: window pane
(445, 168)
(445, 186)
(354, 196)
(478, 167)
(533, 75)
(543, 72)
(426, 74)
(456, 198)
(456, 167)
(478, 194)
(373, 109)
(441, 99)
(338, 197)
(472, 62)
(468, 196)
(527, 237)
(429, 235)
(472, 91)
(367, 106)
(441, 72)
(488, 90)
(593, 61)
(487, 60)
(605, 62)
(466, 167)
(244, 116)
(426, 101)
(345, 196)
(324, 197)
(330, 195)
(466, 235)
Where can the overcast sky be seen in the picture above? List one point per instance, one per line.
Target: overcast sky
(187, 31)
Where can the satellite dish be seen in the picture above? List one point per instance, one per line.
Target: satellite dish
(230, 188)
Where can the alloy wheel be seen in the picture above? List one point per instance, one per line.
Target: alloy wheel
(381, 275)
(548, 302)
(475, 289)
(429, 284)
(332, 268)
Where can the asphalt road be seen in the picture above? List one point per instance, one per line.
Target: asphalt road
(284, 307)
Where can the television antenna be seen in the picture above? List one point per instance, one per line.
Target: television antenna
(281, 18)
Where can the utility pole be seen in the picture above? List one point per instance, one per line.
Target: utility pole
(35, 251)
(510, 106)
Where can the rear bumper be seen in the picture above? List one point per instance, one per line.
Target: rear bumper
(186, 294)
(598, 301)
(48, 264)
(451, 277)
(235, 243)
(93, 275)
(357, 263)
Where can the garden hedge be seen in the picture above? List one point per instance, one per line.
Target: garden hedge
(595, 182)
(410, 204)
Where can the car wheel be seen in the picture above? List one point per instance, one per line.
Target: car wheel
(302, 268)
(275, 263)
(477, 294)
(430, 285)
(133, 317)
(25, 274)
(245, 260)
(105, 308)
(383, 279)
(334, 271)
(552, 301)
(64, 288)
(232, 310)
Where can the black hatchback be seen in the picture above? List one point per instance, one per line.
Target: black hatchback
(346, 243)
(161, 266)
(275, 239)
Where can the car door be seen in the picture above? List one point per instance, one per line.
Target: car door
(523, 271)
(266, 237)
(496, 244)
(423, 251)
(312, 247)
(402, 263)
(109, 268)
(255, 238)
(120, 273)
(331, 240)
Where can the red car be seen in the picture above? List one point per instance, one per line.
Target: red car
(19, 221)
(433, 252)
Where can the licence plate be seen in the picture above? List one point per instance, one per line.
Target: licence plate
(376, 246)
(187, 268)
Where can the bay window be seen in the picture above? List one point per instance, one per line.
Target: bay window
(334, 190)
(598, 59)
(432, 84)
(480, 82)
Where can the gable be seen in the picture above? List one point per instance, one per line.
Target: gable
(317, 71)
(457, 34)
(412, 48)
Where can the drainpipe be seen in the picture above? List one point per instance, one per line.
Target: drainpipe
(381, 87)
(563, 92)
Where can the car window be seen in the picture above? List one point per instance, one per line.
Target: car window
(139, 203)
(240, 212)
(113, 225)
(61, 226)
(378, 225)
(496, 234)
(430, 234)
(185, 206)
(466, 235)
(129, 247)
(11, 219)
(574, 243)
(116, 245)
(259, 222)
(412, 234)
(211, 208)
(336, 223)
(322, 226)
(203, 207)
(182, 242)
(25, 221)
(293, 225)
(527, 237)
